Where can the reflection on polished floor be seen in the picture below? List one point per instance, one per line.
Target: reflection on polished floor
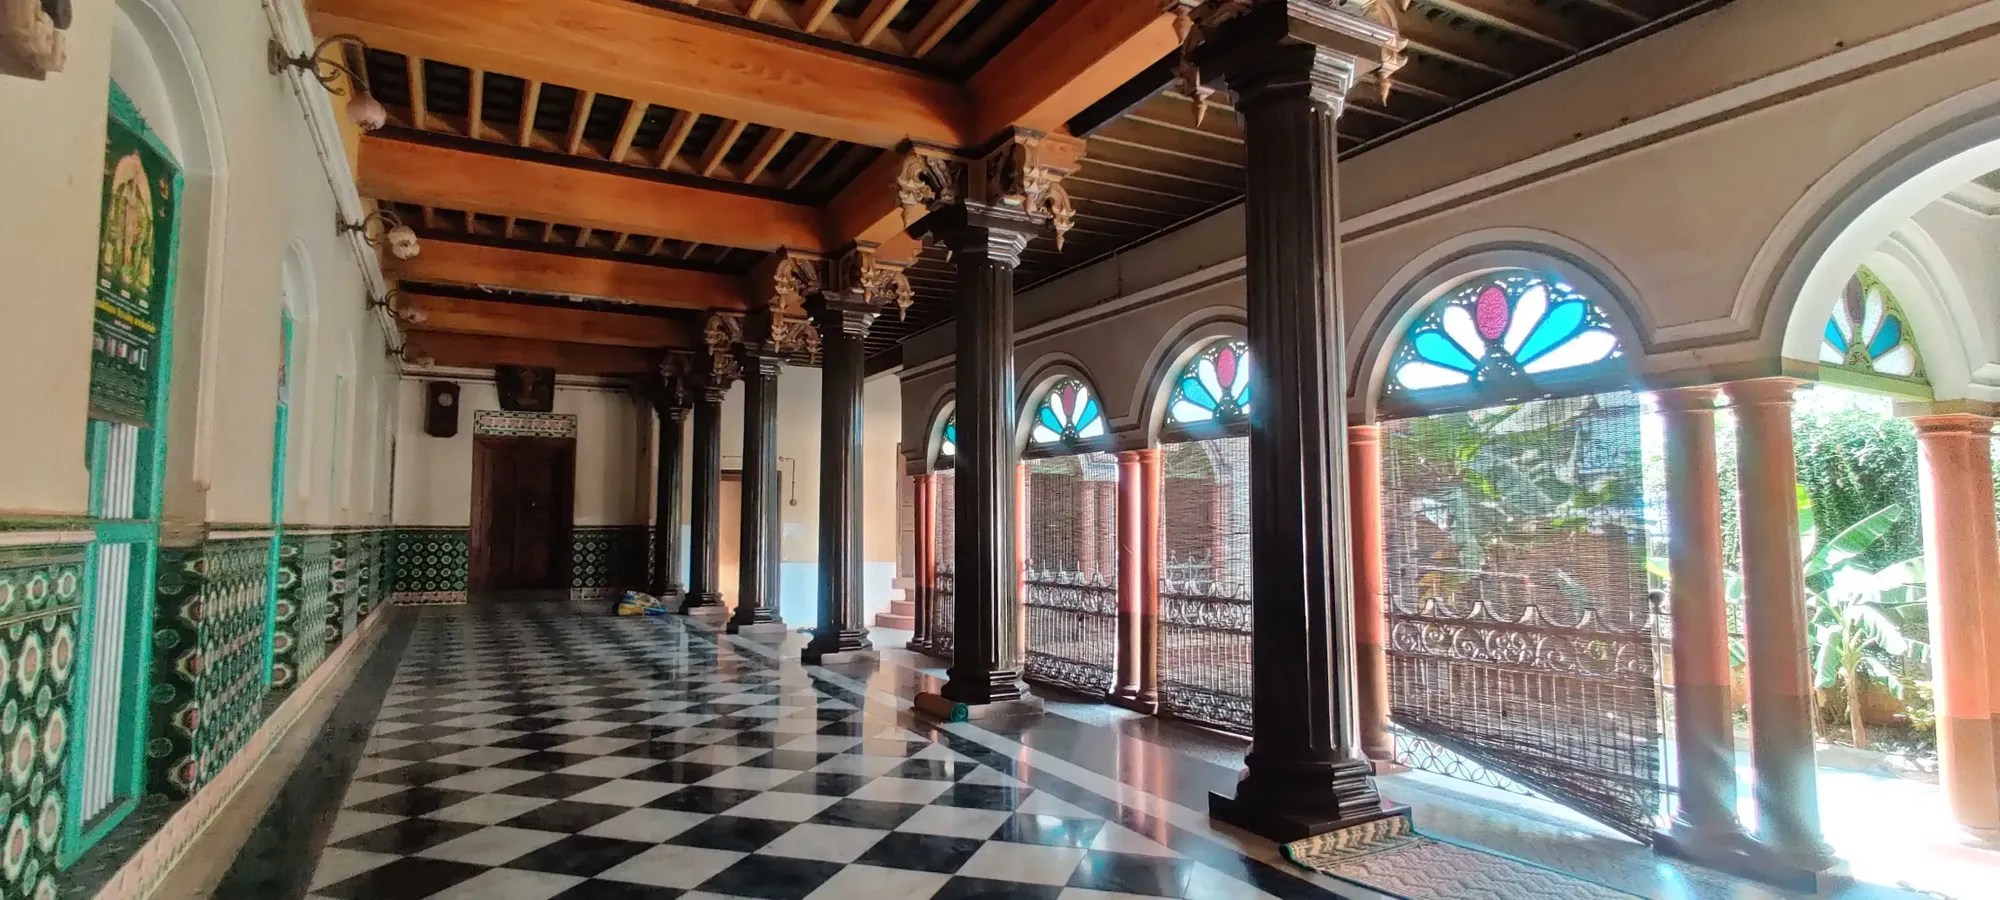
(542, 750)
(537, 751)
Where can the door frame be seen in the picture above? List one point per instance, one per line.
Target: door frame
(485, 449)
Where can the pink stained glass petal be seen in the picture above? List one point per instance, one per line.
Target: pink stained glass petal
(1490, 313)
(1225, 367)
(1068, 404)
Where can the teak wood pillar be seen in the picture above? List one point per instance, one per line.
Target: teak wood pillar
(985, 211)
(667, 501)
(1371, 561)
(1704, 824)
(986, 664)
(1774, 616)
(1290, 65)
(705, 496)
(758, 572)
(860, 286)
(1962, 567)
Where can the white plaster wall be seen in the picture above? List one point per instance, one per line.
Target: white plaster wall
(51, 184)
(613, 453)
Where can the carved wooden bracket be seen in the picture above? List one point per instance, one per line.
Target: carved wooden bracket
(1195, 20)
(1023, 172)
(31, 37)
(863, 278)
(671, 388)
(723, 334)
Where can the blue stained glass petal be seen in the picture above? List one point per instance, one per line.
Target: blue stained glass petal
(1243, 400)
(1439, 349)
(951, 433)
(1088, 415)
(1197, 393)
(1049, 420)
(1886, 337)
(1834, 337)
(1562, 322)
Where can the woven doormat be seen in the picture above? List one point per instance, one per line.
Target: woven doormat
(1389, 855)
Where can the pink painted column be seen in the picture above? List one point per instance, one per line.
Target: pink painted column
(1370, 561)
(1704, 824)
(1781, 700)
(1131, 575)
(1218, 530)
(1151, 460)
(924, 556)
(1962, 566)
(1107, 530)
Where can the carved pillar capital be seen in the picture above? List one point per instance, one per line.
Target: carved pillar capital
(670, 387)
(1284, 47)
(785, 282)
(722, 335)
(862, 277)
(1020, 173)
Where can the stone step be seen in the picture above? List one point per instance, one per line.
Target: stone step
(896, 621)
(903, 607)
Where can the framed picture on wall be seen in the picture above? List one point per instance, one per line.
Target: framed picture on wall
(526, 388)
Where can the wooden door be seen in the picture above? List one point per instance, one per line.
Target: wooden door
(522, 506)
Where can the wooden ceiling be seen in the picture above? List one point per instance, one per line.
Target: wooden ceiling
(641, 159)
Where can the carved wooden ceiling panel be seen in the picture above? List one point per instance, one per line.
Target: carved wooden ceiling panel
(950, 37)
(556, 237)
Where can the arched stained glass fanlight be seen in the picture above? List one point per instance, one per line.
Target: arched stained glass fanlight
(1068, 412)
(948, 440)
(1868, 331)
(1499, 330)
(1214, 387)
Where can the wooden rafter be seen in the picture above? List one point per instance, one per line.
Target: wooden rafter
(415, 172)
(669, 59)
(719, 145)
(875, 19)
(627, 132)
(475, 104)
(531, 97)
(802, 164)
(937, 23)
(676, 136)
(1531, 20)
(419, 111)
(816, 14)
(766, 150)
(579, 118)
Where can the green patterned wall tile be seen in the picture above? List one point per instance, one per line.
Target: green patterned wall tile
(40, 593)
(208, 647)
(431, 560)
(307, 614)
(611, 557)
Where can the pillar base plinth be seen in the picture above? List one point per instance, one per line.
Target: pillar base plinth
(1737, 854)
(1134, 703)
(704, 604)
(1285, 825)
(674, 592)
(838, 657)
(1386, 766)
(762, 631)
(943, 709)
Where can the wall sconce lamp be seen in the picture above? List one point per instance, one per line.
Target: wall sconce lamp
(396, 310)
(400, 238)
(363, 109)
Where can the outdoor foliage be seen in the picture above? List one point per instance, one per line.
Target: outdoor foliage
(1854, 461)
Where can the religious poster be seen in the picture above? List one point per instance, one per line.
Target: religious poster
(134, 259)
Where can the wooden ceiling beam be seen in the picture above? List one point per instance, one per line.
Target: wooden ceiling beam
(531, 98)
(1441, 39)
(482, 352)
(634, 115)
(718, 147)
(419, 113)
(767, 149)
(579, 117)
(475, 104)
(478, 265)
(489, 318)
(411, 172)
(1069, 57)
(816, 13)
(669, 59)
(676, 137)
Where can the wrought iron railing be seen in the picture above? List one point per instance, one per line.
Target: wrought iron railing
(942, 613)
(1072, 639)
(1205, 653)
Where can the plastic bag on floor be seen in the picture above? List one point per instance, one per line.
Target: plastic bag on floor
(635, 603)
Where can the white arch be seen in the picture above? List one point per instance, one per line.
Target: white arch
(156, 61)
(1917, 271)
(1387, 318)
(302, 302)
(1854, 210)
(1188, 338)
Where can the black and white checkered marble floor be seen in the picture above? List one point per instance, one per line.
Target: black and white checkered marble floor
(529, 752)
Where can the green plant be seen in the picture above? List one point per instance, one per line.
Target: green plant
(1857, 622)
